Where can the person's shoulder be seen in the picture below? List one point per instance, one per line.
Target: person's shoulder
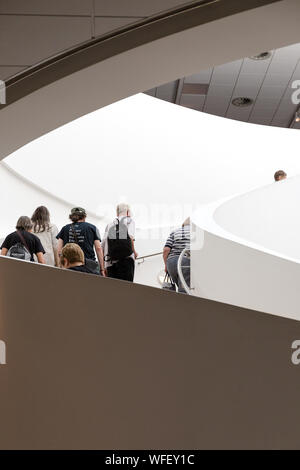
(172, 233)
(10, 235)
(88, 224)
(33, 236)
(65, 227)
(81, 269)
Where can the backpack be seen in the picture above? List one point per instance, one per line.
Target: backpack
(20, 250)
(119, 241)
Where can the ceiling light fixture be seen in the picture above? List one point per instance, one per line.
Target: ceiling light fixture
(261, 56)
(242, 101)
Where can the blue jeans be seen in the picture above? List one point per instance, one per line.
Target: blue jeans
(172, 270)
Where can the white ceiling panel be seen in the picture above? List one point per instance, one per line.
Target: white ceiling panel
(239, 113)
(248, 91)
(218, 99)
(283, 64)
(151, 92)
(276, 80)
(193, 101)
(253, 80)
(47, 7)
(134, 7)
(256, 66)
(270, 93)
(226, 74)
(285, 112)
(167, 92)
(263, 111)
(18, 37)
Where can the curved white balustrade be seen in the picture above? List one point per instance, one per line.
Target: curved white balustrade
(245, 251)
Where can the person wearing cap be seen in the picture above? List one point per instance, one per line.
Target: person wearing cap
(85, 235)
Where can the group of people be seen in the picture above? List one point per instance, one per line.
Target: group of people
(78, 245)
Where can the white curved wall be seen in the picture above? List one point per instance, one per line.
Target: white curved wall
(269, 216)
(161, 158)
(165, 160)
(234, 267)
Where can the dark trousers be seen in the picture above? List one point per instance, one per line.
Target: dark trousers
(122, 269)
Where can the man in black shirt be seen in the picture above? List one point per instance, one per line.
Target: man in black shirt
(23, 236)
(83, 234)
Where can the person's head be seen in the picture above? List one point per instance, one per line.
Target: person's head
(186, 222)
(40, 219)
(123, 209)
(280, 175)
(24, 223)
(71, 255)
(78, 214)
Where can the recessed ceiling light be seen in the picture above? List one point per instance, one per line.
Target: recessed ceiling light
(242, 101)
(261, 56)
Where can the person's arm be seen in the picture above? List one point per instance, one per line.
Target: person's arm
(133, 248)
(40, 257)
(56, 257)
(166, 253)
(6, 245)
(54, 232)
(99, 251)
(167, 248)
(4, 251)
(131, 232)
(60, 244)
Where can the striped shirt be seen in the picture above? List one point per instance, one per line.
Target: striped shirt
(178, 240)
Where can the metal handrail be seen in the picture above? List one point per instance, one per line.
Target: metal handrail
(149, 256)
(179, 270)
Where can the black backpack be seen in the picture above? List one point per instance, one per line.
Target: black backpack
(119, 241)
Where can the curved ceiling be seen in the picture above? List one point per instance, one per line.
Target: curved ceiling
(43, 98)
(267, 80)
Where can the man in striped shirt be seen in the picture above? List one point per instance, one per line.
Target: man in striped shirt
(178, 240)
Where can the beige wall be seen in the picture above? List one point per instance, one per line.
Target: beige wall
(97, 363)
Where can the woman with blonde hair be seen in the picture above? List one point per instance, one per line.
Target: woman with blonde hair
(46, 232)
